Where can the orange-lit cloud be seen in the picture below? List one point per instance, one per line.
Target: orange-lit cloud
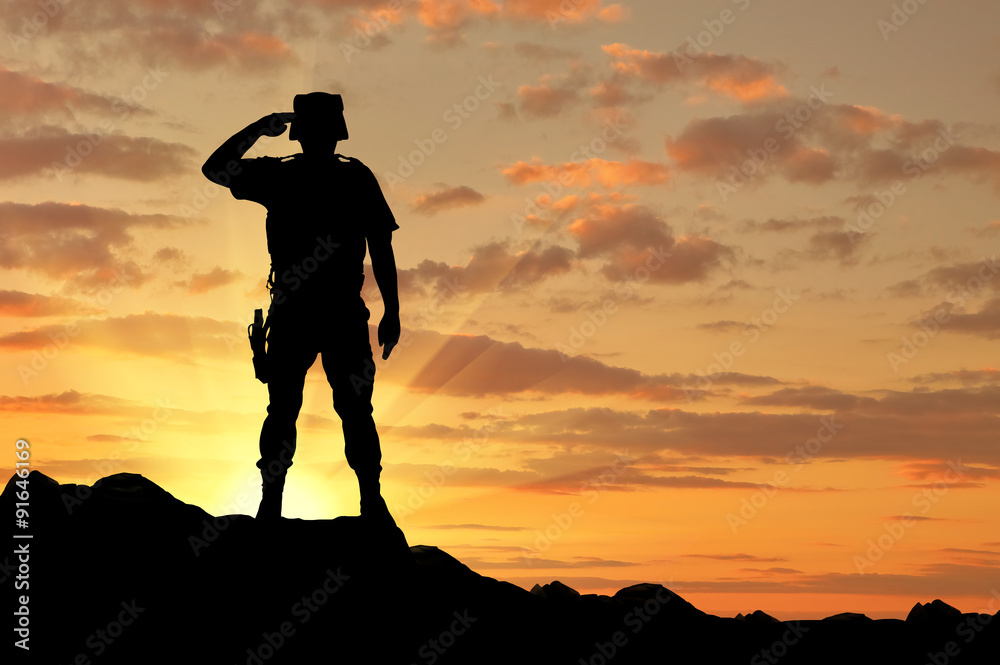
(446, 18)
(21, 304)
(23, 94)
(167, 336)
(639, 244)
(584, 173)
(745, 79)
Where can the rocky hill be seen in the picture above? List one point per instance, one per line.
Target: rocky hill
(122, 572)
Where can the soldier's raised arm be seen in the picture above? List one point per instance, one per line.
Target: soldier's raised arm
(227, 159)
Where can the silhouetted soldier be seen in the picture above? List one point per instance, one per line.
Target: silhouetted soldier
(321, 210)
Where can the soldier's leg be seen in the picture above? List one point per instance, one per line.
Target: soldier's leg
(350, 369)
(288, 360)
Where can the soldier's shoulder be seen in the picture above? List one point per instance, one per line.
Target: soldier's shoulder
(352, 162)
(267, 162)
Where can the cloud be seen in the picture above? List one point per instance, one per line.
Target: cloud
(83, 245)
(69, 402)
(815, 141)
(812, 397)
(167, 336)
(965, 276)
(963, 376)
(983, 399)
(493, 266)
(529, 561)
(635, 241)
(56, 151)
(742, 78)
(183, 33)
(446, 199)
(542, 52)
(586, 172)
(544, 101)
(25, 95)
(206, 281)
(475, 527)
(737, 557)
(722, 326)
(715, 147)
(447, 18)
(925, 426)
(19, 303)
(985, 322)
(478, 366)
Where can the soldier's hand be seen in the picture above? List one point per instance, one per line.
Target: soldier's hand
(388, 334)
(274, 124)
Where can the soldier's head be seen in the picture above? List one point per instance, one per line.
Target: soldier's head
(319, 119)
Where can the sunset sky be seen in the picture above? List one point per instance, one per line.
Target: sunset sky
(697, 293)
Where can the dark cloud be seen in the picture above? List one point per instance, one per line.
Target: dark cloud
(446, 199)
(206, 281)
(83, 245)
(56, 152)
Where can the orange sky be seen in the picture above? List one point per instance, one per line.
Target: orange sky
(697, 294)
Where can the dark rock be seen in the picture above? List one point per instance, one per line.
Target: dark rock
(123, 572)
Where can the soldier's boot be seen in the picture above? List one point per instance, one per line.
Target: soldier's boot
(372, 503)
(270, 501)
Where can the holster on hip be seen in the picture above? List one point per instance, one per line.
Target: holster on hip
(257, 333)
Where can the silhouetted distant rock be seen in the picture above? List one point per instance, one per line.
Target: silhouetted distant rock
(932, 612)
(757, 616)
(123, 572)
(848, 616)
(556, 591)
